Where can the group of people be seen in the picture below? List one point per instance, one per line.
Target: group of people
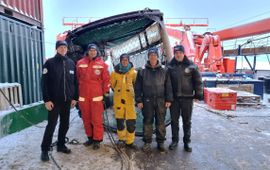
(152, 89)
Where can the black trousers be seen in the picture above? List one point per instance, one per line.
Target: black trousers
(154, 108)
(183, 107)
(63, 111)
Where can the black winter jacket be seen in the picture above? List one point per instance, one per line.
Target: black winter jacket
(153, 83)
(59, 82)
(186, 79)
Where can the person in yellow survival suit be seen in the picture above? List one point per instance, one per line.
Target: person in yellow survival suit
(122, 82)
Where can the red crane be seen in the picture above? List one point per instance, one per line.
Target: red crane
(198, 45)
(206, 49)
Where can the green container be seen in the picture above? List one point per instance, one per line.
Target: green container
(24, 117)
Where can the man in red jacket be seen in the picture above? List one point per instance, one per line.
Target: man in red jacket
(93, 77)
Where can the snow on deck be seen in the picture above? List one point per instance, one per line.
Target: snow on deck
(219, 142)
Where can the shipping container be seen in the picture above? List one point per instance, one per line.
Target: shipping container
(21, 57)
(28, 11)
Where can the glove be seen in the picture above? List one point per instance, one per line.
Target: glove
(106, 94)
(199, 97)
(107, 101)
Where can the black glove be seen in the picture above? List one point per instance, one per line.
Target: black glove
(199, 97)
(107, 101)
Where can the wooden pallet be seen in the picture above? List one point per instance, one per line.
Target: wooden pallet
(246, 98)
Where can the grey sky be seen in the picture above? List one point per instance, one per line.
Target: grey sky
(221, 14)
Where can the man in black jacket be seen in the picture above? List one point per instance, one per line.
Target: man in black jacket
(153, 94)
(187, 85)
(59, 87)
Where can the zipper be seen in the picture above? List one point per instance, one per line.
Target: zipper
(155, 81)
(115, 84)
(181, 77)
(64, 68)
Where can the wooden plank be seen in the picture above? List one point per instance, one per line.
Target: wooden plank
(238, 87)
(246, 98)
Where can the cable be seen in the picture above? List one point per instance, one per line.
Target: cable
(72, 120)
(54, 161)
(52, 158)
(112, 140)
(72, 142)
(124, 157)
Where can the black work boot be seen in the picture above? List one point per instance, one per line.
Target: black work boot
(161, 147)
(173, 145)
(187, 148)
(146, 147)
(132, 146)
(120, 143)
(89, 142)
(63, 149)
(44, 156)
(96, 145)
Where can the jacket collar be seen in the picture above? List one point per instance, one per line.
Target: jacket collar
(175, 62)
(148, 65)
(117, 68)
(93, 59)
(60, 57)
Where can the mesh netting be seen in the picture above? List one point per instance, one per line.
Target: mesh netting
(140, 59)
(138, 42)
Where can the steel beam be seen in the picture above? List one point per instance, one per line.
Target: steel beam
(254, 28)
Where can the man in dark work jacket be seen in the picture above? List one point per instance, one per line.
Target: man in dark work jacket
(187, 85)
(153, 94)
(59, 87)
